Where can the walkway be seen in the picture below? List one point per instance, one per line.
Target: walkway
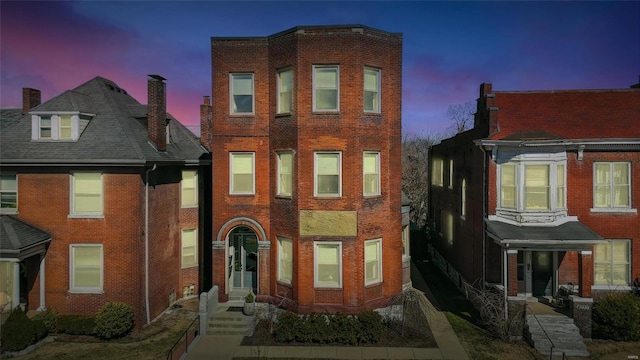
(227, 347)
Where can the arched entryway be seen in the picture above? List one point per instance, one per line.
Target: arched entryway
(242, 266)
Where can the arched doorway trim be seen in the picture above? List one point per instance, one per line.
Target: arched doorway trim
(229, 225)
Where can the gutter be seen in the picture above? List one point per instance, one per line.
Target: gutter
(146, 242)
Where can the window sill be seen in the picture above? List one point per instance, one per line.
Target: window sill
(86, 292)
(190, 266)
(371, 196)
(372, 284)
(285, 114)
(284, 283)
(325, 112)
(243, 115)
(614, 210)
(330, 288)
(9, 211)
(328, 197)
(612, 287)
(242, 194)
(85, 216)
(283, 196)
(195, 206)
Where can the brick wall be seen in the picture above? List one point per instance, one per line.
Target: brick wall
(350, 131)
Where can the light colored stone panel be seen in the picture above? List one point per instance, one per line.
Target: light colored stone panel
(328, 223)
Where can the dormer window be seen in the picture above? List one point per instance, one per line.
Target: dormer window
(45, 127)
(62, 126)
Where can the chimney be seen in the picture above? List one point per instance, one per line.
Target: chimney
(157, 112)
(206, 125)
(30, 99)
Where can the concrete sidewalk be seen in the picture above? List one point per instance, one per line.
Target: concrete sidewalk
(227, 347)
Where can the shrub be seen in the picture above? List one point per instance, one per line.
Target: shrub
(18, 331)
(287, 327)
(370, 329)
(76, 324)
(343, 329)
(49, 318)
(114, 320)
(40, 329)
(318, 329)
(617, 317)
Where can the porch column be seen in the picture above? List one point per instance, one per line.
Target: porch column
(585, 276)
(42, 286)
(219, 264)
(264, 276)
(512, 272)
(15, 297)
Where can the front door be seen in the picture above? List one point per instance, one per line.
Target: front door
(542, 276)
(243, 259)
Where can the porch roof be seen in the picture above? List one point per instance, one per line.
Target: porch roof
(19, 239)
(572, 235)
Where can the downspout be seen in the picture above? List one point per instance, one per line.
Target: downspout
(504, 280)
(146, 243)
(484, 216)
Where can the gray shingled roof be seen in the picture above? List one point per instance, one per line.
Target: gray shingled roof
(17, 236)
(117, 134)
(571, 235)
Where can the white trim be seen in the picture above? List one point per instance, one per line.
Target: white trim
(43, 286)
(378, 102)
(378, 177)
(279, 92)
(612, 207)
(314, 68)
(85, 290)
(194, 201)
(184, 265)
(316, 282)
(279, 259)
(231, 93)
(379, 260)
(88, 214)
(279, 191)
(253, 173)
(315, 174)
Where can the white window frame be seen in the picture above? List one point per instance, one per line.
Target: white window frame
(611, 262)
(72, 201)
(253, 173)
(519, 187)
(611, 207)
(316, 282)
(281, 277)
(282, 93)
(189, 201)
(406, 241)
(376, 104)
(463, 199)
(315, 174)
(280, 191)
(194, 262)
(376, 192)
(72, 268)
(437, 173)
(337, 88)
(548, 188)
(450, 173)
(5, 190)
(41, 127)
(377, 279)
(61, 127)
(232, 93)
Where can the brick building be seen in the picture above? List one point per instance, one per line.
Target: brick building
(100, 202)
(305, 135)
(541, 194)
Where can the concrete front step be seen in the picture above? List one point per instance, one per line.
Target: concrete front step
(225, 322)
(557, 334)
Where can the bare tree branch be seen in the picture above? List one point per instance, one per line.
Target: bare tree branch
(461, 116)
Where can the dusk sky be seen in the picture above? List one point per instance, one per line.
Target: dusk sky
(449, 48)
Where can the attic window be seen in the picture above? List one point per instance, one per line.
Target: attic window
(63, 126)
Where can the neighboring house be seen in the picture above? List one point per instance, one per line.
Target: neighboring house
(305, 135)
(541, 194)
(100, 202)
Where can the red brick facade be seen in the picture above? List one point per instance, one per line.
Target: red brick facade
(302, 131)
(576, 129)
(140, 221)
